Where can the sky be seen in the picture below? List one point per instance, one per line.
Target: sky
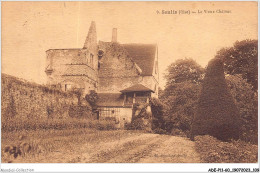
(31, 28)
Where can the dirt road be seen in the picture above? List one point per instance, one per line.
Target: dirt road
(126, 148)
(144, 148)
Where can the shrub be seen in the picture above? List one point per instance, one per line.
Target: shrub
(159, 131)
(157, 109)
(212, 150)
(217, 114)
(92, 98)
(80, 112)
(178, 132)
(141, 119)
(106, 125)
(137, 124)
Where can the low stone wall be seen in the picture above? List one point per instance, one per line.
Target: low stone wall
(24, 100)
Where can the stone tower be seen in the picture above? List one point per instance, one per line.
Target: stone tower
(75, 68)
(90, 46)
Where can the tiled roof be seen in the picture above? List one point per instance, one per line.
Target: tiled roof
(143, 55)
(137, 87)
(110, 99)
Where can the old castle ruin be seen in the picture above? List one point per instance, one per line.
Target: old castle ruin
(121, 74)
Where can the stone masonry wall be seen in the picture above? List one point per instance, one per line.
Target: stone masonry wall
(24, 100)
(117, 71)
(72, 66)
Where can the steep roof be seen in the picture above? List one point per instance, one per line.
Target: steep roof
(110, 99)
(136, 87)
(143, 55)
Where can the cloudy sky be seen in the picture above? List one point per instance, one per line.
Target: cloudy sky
(31, 28)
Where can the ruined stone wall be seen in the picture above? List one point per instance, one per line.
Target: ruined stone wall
(76, 68)
(72, 66)
(24, 100)
(57, 60)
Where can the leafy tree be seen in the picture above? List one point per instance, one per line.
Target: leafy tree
(246, 101)
(181, 94)
(217, 114)
(242, 59)
(184, 70)
(181, 100)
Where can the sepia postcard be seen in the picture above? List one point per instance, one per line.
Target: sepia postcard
(129, 82)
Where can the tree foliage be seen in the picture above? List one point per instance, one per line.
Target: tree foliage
(181, 100)
(217, 114)
(181, 94)
(242, 59)
(183, 87)
(183, 70)
(246, 101)
(157, 108)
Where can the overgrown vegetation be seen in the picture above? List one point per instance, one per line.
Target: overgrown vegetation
(92, 98)
(24, 100)
(212, 150)
(141, 118)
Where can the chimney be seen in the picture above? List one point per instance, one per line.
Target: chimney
(114, 35)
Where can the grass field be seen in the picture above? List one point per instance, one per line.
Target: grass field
(94, 146)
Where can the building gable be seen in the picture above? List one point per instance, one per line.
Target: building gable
(143, 55)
